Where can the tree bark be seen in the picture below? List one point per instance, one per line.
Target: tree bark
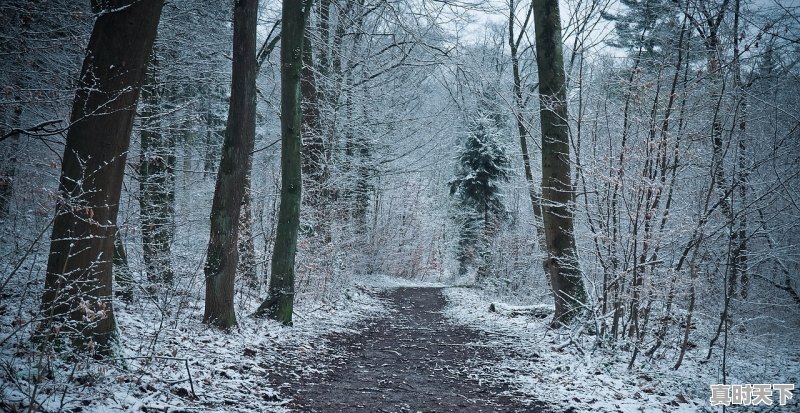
(522, 130)
(122, 272)
(561, 263)
(280, 298)
(234, 168)
(78, 284)
(8, 164)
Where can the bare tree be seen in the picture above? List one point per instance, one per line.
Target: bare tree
(557, 192)
(77, 297)
(280, 298)
(223, 255)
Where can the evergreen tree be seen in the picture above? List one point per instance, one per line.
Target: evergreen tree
(646, 28)
(482, 166)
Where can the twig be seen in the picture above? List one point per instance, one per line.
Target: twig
(184, 360)
(34, 130)
(189, 373)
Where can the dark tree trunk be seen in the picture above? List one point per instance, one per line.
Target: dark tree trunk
(122, 272)
(739, 256)
(156, 184)
(77, 296)
(222, 258)
(313, 167)
(561, 263)
(362, 184)
(280, 298)
(8, 163)
(522, 130)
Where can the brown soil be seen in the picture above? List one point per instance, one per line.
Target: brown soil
(413, 360)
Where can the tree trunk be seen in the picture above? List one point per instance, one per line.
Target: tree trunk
(223, 257)
(362, 185)
(740, 259)
(8, 164)
(122, 272)
(561, 263)
(280, 297)
(156, 185)
(77, 295)
(522, 130)
(313, 167)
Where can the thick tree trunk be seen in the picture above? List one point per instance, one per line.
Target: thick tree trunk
(223, 257)
(156, 185)
(77, 296)
(561, 263)
(280, 298)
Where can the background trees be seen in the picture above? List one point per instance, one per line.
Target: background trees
(668, 139)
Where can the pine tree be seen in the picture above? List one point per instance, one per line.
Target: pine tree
(646, 28)
(482, 166)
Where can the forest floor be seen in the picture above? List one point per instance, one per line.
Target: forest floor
(382, 345)
(412, 359)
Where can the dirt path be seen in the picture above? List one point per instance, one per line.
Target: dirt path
(413, 360)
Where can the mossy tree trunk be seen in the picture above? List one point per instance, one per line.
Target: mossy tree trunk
(561, 263)
(280, 298)
(78, 283)
(222, 257)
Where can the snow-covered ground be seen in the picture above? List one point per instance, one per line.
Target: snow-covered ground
(578, 377)
(170, 361)
(179, 364)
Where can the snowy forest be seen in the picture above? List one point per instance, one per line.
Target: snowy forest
(399, 205)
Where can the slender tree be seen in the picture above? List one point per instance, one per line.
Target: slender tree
(77, 295)
(557, 193)
(8, 164)
(519, 110)
(280, 297)
(234, 168)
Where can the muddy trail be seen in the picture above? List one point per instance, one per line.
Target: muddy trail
(412, 360)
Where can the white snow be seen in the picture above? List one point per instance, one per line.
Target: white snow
(586, 379)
